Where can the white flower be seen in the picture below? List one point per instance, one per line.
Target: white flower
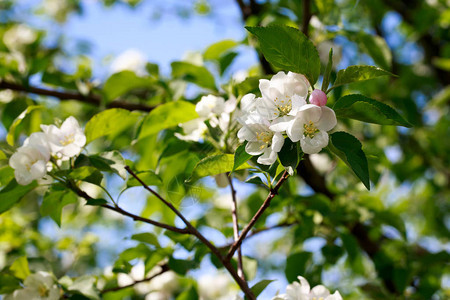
(67, 140)
(216, 287)
(6, 96)
(301, 291)
(282, 97)
(18, 37)
(168, 282)
(40, 285)
(261, 140)
(210, 106)
(194, 130)
(130, 60)
(310, 127)
(29, 163)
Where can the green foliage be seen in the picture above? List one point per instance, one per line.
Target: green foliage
(289, 156)
(240, 157)
(296, 265)
(358, 73)
(214, 165)
(54, 201)
(193, 73)
(368, 110)
(13, 193)
(11, 137)
(123, 82)
(288, 49)
(20, 268)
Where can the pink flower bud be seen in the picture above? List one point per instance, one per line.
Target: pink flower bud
(318, 98)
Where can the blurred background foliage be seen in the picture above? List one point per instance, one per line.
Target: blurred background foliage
(391, 242)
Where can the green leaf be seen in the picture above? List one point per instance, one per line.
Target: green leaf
(96, 202)
(225, 61)
(326, 75)
(190, 294)
(214, 165)
(20, 268)
(54, 201)
(349, 149)
(166, 116)
(259, 287)
(240, 156)
(296, 265)
(6, 175)
(289, 156)
(88, 174)
(110, 122)
(289, 49)
(368, 110)
(148, 177)
(377, 48)
(111, 161)
(181, 266)
(215, 51)
(8, 283)
(123, 82)
(146, 237)
(193, 73)
(358, 73)
(2, 155)
(11, 136)
(13, 193)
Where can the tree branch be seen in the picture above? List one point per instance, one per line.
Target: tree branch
(306, 16)
(192, 230)
(258, 214)
(234, 215)
(164, 268)
(65, 96)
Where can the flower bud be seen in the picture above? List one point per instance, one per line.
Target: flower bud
(318, 98)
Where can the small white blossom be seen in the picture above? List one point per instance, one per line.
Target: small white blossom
(310, 127)
(18, 37)
(216, 287)
(194, 130)
(210, 106)
(302, 291)
(38, 286)
(6, 96)
(130, 60)
(29, 163)
(261, 140)
(68, 140)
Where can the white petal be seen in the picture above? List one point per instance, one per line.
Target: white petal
(71, 150)
(320, 291)
(335, 296)
(38, 169)
(246, 134)
(327, 119)
(22, 176)
(309, 112)
(268, 157)
(302, 84)
(305, 288)
(248, 102)
(281, 124)
(267, 109)
(255, 148)
(277, 142)
(295, 131)
(70, 125)
(315, 144)
(297, 103)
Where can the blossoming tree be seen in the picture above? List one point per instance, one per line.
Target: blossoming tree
(294, 146)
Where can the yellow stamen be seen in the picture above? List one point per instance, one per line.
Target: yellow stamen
(310, 130)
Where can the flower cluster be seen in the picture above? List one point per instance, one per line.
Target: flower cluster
(41, 285)
(302, 291)
(283, 109)
(31, 161)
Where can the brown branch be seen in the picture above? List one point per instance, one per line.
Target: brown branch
(234, 215)
(258, 214)
(192, 230)
(65, 96)
(306, 16)
(164, 268)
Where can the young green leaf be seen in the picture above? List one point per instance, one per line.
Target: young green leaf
(289, 156)
(110, 122)
(20, 268)
(214, 165)
(167, 115)
(289, 49)
(326, 75)
(296, 265)
(216, 50)
(259, 287)
(123, 82)
(358, 73)
(198, 75)
(240, 156)
(111, 161)
(146, 237)
(54, 201)
(349, 149)
(13, 193)
(364, 109)
(11, 136)
(88, 174)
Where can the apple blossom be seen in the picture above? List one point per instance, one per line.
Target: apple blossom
(38, 286)
(261, 140)
(194, 130)
(302, 291)
(210, 106)
(318, 98)
(18, 37)
(68, 140)
(29, 163)
(310, 127)
(130, 60)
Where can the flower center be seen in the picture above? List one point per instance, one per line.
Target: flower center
(265, 137)
(284, 105)
(310, 130)
(43, 291)
(68, 139)
(315, 298)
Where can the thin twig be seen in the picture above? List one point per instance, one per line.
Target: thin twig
(64, 95)
(164, 268)
(234, 215)
(258, 214)
(306, 16)
(192, 230)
